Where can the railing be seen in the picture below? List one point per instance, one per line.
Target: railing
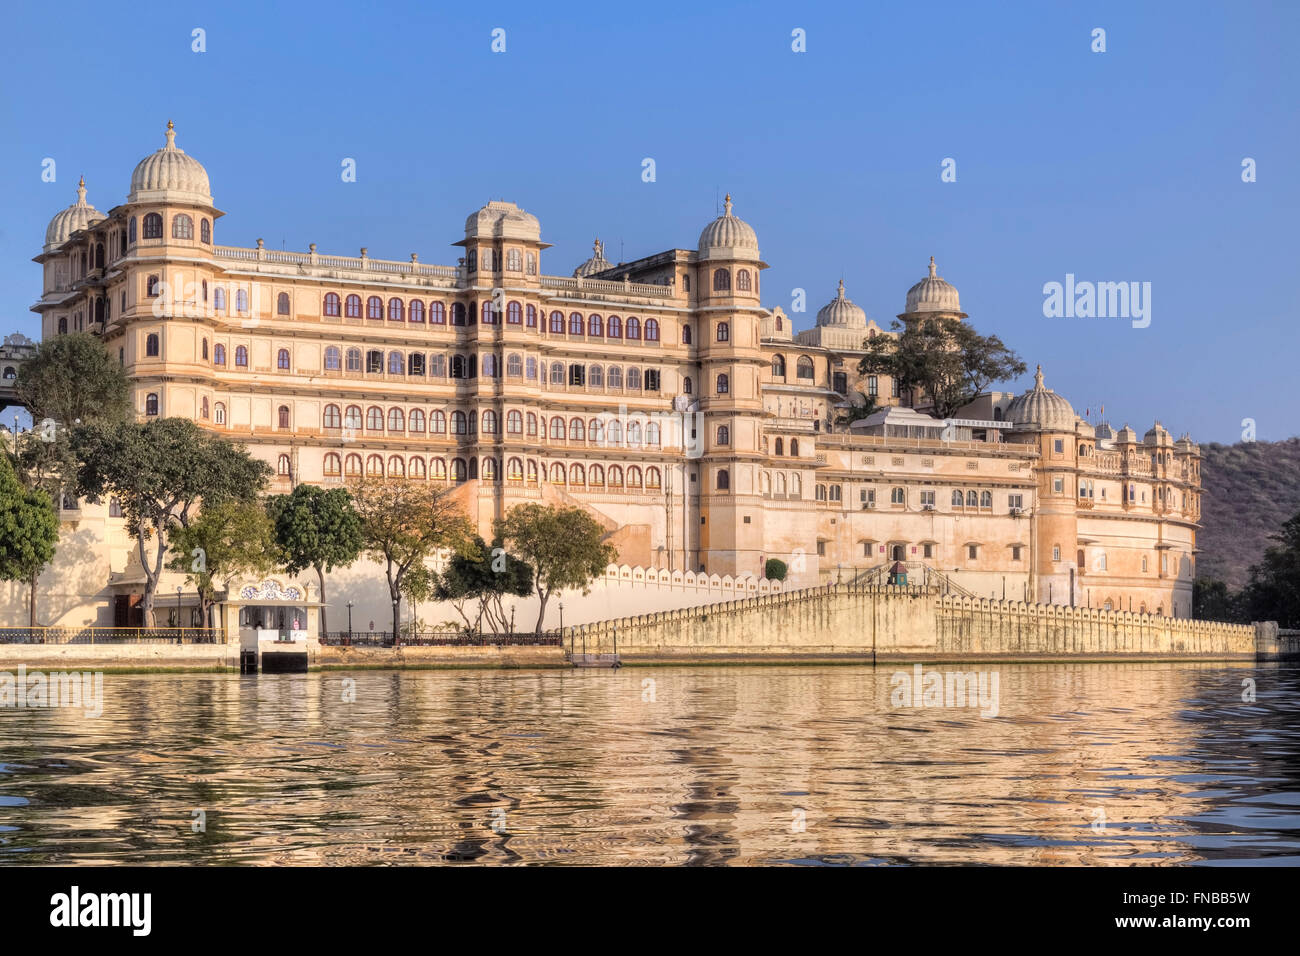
(109, 635)
(606, 285)
(442, 638)
(880, 576)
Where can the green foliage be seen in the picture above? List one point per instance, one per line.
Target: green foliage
(29, 531)
(1212, 600)
(1273, 592)
(73, 380)
(159, 471)
(564, 546)
(774, 569)
(228, 538)
(941, 361)
(317, 528)
(487, 575)
(855, 412)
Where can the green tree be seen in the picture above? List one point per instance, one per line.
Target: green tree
(774, 569)
(1273, 592)
(316, 528)
(72, 380)
(29, 532)
(563, 546)
(942, 361)
(1213, 600)
(487, 575)
(845, 417)
(402, 524)
(228, 538)
(159, 471)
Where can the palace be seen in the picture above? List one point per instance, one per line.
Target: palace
(660, 395)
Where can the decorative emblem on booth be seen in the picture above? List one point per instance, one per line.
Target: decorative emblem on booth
(270, 591)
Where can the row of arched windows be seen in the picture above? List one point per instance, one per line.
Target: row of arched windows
(596, 431)
(722, 280)
(803, 367)
(518, 470)
(182, 228)
(613, 327)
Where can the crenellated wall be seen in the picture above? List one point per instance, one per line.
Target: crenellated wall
(845, 622)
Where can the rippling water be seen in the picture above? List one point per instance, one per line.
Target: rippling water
(717, 765)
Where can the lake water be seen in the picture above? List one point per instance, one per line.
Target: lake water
(1083, 764)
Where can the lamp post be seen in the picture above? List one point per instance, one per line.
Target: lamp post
(349, 622)
(178, 614)
(561, 622)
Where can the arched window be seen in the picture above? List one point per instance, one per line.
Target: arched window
(724, 332)
(778, 366)
(283, 416)
(652, 433)
(438, 422)
(595, 376)
(282, 359)
(577, 430)
(374, 419)
(595, 325)
(514, 261)
(724, 479)
(652, 479)
(241, 300)
(557, 474)
(219, 413)
(459, 426)
(218, 354)
(557, 373)
(530, 368)
(375, 466)
(153, 226)
(396, 363)
(614, 327)
(596, 431)
(374, 362)
(417, 311)
(396, 466)
(332, 418)
(203, 407)
(514, 422)
(634, 433)
(182, 226)
(615, 476)
(514, 365)
(458, 472)
(557, 323)
(531, 315)
(151, 286)
(333, 465)
(417, 469)
(742, 280)
(205, 231)
(333, 359)
(958, 500)
(396, 310)
(354, 360)
(151, 345)
(897, 496)
(724, 384)
(489, 469)
(151, 404)
(724, 435)
(577, 475)
(615, 432)
(332, 303)
(488, 313)
(514, 313)
(374, 307)
(352, 417)
(489, 422)
(396, 420)
(686, 335)
(415, 364)
(596, 477)
(779, 446)
(352, 307)
(490, 366)
(282, 304)
(721, 280)
(986, 499)
(439, 468)
(633, 328)
(219, 299)
(415, 421)
(532, 424)
(437, 313)
(130, 231)
(633, 378)
(575, 323)
(614, 377)
(282, 467)
(652, 330)
(437, 366)
(458, 313)
(352, 465)
(687, 385)
(804, 367)
(557, 428)
(972, 500)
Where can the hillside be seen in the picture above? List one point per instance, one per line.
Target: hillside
(1250, 489)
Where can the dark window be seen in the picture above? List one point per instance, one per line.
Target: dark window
(282, 304)
(153, 226)
(182, 227)
(721, 280)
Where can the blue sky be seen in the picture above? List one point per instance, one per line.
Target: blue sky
(1115, 166)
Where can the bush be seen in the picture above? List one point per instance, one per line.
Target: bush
(774, 569)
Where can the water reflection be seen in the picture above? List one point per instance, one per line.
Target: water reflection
(1084, 764)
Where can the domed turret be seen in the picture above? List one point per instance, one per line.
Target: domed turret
(597, 262)
(841, 312)
(933, 294)
(79, 215)
(170, 175)
(1041, 409)
(502, 220)
(728, 237)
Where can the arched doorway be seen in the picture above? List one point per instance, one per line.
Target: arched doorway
(896, 553)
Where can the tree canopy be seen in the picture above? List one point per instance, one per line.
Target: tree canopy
(228, 538)
(942, 361)
(563, 545)
(488, 575)
(29, 532)
(72, 380)
(316, 528)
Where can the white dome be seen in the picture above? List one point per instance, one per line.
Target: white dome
(502, 220)
(728, 237)
(841, 312)
(932, 294)
(1041, 409)
(169, 175)
(67, 221)
(597, 262)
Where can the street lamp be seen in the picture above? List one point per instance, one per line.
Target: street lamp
(561, 622)
(349, 621)
(178, 614)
